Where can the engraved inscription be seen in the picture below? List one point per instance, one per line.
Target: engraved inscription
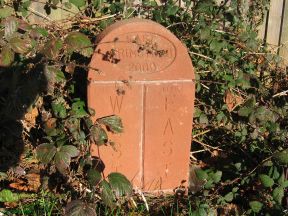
(169, 93)
(141, 52)
(168, 127)
(146, 67)
(116, 103)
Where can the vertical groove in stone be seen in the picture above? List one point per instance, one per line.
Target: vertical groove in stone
(144, 88)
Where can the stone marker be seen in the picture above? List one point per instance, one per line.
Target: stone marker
(145, 76)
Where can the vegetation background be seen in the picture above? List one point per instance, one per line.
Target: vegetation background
(239, 151)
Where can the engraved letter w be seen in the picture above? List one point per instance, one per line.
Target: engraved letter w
(116, 103)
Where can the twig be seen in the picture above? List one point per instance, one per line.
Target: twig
(144, 200)
(195, 152)
(201, 55)
(191, 156)
(39, 14)
(206, 145)
(174, 24)
(283, 93)
(205, 86)
(201, 133)
(97, 19)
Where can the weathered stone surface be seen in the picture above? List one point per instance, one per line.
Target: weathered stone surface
(141, 72)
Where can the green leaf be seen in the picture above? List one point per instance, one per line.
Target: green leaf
(107, 194)
(19, 45)
(278, 194)
(45, 152)
(282, 157)
(158, 16)
(203, 119)
(229, 197)
(113, 123)
(78, 3)
(98, 135)
(205, 33)
(120, 184)
(284, 184)
(78, 109)
(209, 184)
(79, 208)
(216, 46)
(8, 196)
(201, 174)
(245, 111)
(97, 3)
(42, 31)
(171, 10)
(281, 179)
(256, 206)
(7, 56)
(52, 48)
(3, 176)
(6, 11)
(78, 42)
(217, 176)
(266, 180)
(94, 177)
(59, 109)
(62, 161)
(71, 150)
(63, 157)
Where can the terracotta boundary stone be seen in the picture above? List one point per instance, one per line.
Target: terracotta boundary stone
(179, 73)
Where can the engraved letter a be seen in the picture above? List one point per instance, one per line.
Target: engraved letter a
(116, 103)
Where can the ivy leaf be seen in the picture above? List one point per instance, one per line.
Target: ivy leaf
(94, 177)
(78, 3)
(63, 157)
(78, 42)
(19, 45)
(107, 194)
(98, 135)
(52, 48)
(8, 196)
(278, 194)
(256, 206)
(266, 180)
(113, 123)
(120, 184)
(7, 56)
(45, 152)
(79, 208)
(282, 157)
(201, 174)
